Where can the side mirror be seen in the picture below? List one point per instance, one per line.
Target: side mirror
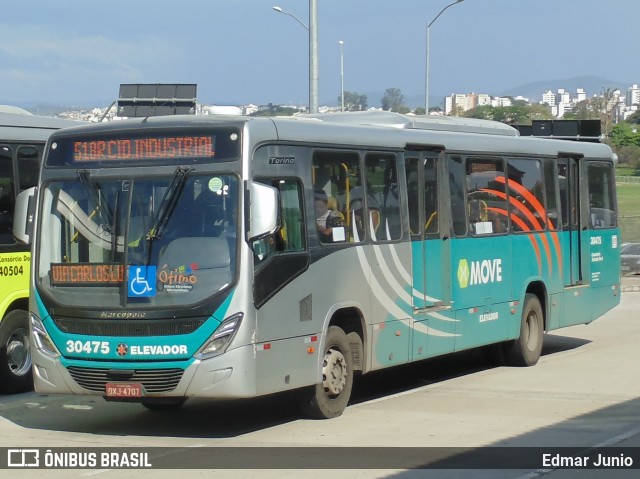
(24, 215)
(262, 206)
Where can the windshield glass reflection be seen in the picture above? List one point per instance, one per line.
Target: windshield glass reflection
(162, 241)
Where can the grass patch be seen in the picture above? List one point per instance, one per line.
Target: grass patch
(626, 171)
(629, 211)
(628, 199)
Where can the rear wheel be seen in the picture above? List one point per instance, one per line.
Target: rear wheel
(525, 351)
(15, 353)
(330, 398)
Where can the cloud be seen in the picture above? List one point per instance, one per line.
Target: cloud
(35, 62)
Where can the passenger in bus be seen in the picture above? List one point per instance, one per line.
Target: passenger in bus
(373, 219)
(499, 226)
(327, 220)
(358, 223)
(332, 204)
(208, 214)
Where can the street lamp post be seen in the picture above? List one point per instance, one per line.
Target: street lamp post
(283, 11)
(313, 50)
(426, 82)
(341, 43)
(313, 56)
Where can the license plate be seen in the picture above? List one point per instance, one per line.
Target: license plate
(124, 390)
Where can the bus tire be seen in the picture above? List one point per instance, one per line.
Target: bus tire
(15, 353)
(330, 398)
(525, 351)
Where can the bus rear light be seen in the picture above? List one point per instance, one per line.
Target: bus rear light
(42, 339)
(221, 338)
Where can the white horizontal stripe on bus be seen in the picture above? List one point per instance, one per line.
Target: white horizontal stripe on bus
(423, 328)
(443, 318)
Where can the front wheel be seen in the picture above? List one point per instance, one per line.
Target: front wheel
(525, 351)
(15, 353)
(330, 398)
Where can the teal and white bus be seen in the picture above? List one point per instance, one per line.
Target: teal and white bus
(22, 140)
(181, 257)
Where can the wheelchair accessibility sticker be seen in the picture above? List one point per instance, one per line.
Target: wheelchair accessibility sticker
(141, 281)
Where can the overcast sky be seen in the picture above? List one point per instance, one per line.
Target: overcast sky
(78, 52)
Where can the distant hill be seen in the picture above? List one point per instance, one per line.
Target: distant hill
(53, 110)
(592, 85)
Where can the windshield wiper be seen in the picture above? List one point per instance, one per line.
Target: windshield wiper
(169, 202)
(94, 196)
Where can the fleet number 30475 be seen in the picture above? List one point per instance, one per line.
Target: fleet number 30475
(88, 347)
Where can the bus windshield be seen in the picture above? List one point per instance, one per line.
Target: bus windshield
(160, 241)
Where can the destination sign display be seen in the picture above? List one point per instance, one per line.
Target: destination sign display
(93, 274)
(153, 148)
(105, 146)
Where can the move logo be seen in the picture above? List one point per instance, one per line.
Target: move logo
(463, 273)
(479, 272)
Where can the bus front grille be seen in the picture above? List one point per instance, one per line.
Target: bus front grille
(128, 327)
(153, 380)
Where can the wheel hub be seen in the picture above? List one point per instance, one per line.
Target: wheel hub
(532, 326)
(334, 372)
(18, 354)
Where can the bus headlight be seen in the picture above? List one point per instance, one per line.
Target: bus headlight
(41, 338)
(221, 338)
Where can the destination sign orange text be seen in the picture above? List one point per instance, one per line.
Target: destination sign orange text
(87, 274)
(145, 148)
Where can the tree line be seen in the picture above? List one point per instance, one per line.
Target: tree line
(623, 136)
(625, 141)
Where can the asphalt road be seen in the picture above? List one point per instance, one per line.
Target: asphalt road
(583, 393)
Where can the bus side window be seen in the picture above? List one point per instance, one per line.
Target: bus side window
(413, 195)
(550, 176)
(529, 211)
(601, 195)
(457, 193)
(383, 200)
(430, 196)
(563, 184)
(6, 196)
(28, 167)
(486, 198)
(336, 180)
